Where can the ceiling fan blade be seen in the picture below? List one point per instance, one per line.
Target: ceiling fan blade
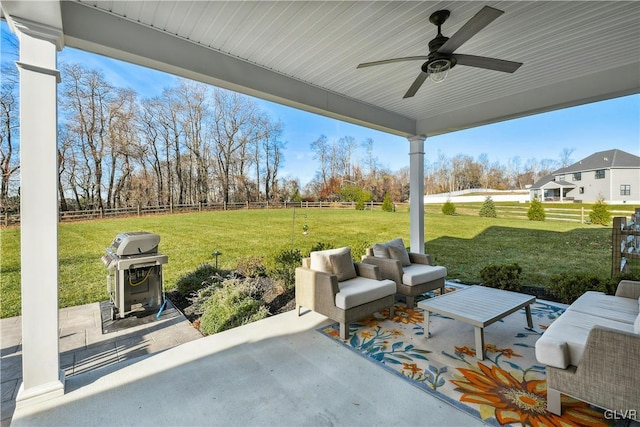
(487, 63)
(416, 85)
(390, 61)
(480, 20)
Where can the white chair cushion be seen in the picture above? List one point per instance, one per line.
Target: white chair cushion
(361, 290)
(417, 274)
(321, 260)
(610, 307)
(636, 325)
(562, 344)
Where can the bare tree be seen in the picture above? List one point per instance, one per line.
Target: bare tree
(565, 157)
(320, 148)
(9, 132)
(234, 125)
(86, 98)
(195, 111)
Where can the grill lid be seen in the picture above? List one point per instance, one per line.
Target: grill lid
(135, 243)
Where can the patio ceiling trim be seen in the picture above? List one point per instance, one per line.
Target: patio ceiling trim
(106, 34)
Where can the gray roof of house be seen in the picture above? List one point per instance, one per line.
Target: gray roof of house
(542, 181)
(610, 159)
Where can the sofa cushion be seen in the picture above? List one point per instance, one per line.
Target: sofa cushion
(342, 265)
(417, 274)
(321, 260)
(610, 307)
(571, 328)
(358, 291)
(636, 325)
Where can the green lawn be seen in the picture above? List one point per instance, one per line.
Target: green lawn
(464, 244)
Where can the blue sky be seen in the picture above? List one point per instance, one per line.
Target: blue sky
(586, 129)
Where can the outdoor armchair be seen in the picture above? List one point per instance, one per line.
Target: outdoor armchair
(330, 283)
(592, 351)
(412, 272)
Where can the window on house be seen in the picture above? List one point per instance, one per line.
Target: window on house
(577, 176)
(581, 190)
(559, 178)
(625, 190)
(600, 174)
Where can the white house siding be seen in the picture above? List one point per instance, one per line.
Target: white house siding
(625, 177)
(609, 187)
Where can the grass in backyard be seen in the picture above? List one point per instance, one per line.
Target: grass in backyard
(464, 244)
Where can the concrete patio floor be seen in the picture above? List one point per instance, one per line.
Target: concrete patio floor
(84, 347)
(278, 371)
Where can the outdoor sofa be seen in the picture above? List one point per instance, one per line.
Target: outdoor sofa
(592, 352)
(412, 272)
(330, 283)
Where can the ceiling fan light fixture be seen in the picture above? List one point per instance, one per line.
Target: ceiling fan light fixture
(438, 70)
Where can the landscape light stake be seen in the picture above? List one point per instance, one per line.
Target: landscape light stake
(293, 225)
(216, 254)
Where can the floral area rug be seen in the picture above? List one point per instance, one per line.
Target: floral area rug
(508, 387)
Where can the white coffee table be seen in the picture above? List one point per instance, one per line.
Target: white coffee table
(479, 306)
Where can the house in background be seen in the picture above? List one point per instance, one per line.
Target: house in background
(613, 175)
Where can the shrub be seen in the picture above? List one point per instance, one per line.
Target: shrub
(488, 208)
(251, 266)
(506, 276)
(358, 249)
(360, 205)
(285, 263)
(566, 288)
(387, 205)
(600, 213)
(449, 208)
(197, 279)
(321, 246)
(536, 211)
(232, 305)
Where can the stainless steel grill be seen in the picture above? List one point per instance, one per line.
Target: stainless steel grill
(134, 279)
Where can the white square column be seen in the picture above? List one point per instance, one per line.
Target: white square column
(42, 377)
(416, 193)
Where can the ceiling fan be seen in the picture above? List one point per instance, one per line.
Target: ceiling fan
(441, 56)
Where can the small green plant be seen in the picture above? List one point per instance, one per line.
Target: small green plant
(285, 263)
(536, 211)
(387, 204)
(488, 209)
(321, 246)
(600, 212)
(567, 287)
(358, 249)
(251, 266)
(234, 304)
(505, 276)
(202, 276)
(448, 208)
(305, 228)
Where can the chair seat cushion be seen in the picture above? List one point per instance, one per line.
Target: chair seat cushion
(563, 343)
(610, 307)
(417, 274)
(358, 291)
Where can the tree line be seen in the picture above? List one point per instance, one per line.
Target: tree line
(194, 143)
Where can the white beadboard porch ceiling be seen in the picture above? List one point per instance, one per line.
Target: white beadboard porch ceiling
(573, 52)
